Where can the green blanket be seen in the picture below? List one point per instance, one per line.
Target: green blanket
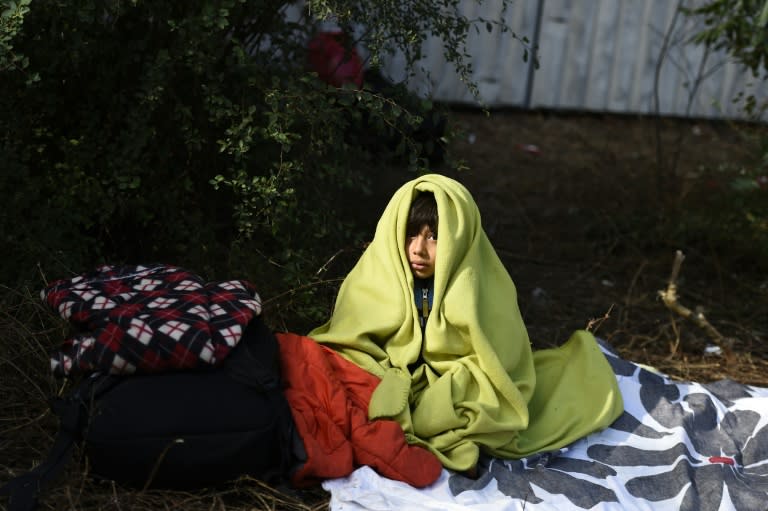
(480, 385)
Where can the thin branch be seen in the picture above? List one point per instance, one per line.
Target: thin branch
(660, 167)
(597, 322)
(670, 298)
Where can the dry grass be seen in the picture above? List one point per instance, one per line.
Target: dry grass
(245, 494)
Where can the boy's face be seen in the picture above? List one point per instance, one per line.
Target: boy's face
(421, 250)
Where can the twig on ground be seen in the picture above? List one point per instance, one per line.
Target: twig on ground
(669, 296)
(295, 290)
(596, 322)
(115, 497)
(42, 274)
(624, 317)
(324, 267)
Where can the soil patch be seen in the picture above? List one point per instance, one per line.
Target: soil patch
(571, 203)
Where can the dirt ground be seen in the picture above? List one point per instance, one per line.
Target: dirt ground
(570, 203)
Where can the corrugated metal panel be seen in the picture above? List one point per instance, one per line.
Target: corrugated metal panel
(597, 55)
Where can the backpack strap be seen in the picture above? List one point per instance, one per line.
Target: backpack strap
(255, 362)
(23, 491)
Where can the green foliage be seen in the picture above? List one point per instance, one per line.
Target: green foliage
(727, 214)
(737, 213)
(741, 28)
(749, 206)
(11, 21)
(192, 133)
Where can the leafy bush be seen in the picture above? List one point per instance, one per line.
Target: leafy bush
(193, 133)
(740, 28)
(736, 214)
(737, 211)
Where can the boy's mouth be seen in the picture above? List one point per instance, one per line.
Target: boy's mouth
(421, 270)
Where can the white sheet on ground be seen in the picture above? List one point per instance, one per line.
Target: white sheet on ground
(678, 446)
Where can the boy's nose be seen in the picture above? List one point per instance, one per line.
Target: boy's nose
(418, 244)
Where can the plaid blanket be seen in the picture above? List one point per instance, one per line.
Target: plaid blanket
(148, 319)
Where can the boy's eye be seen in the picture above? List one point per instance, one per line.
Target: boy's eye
(428, 235)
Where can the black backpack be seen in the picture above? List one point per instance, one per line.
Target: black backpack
(178, 429)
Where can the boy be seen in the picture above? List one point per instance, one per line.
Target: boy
(467, 379)
(421, 251)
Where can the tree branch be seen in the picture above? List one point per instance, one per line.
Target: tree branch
(669, 296)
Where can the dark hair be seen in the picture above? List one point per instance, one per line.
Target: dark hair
(423, 212)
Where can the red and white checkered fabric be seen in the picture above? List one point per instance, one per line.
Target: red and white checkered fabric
(155, 318)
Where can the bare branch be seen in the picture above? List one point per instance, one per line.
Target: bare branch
(670, 298)
(596, 322)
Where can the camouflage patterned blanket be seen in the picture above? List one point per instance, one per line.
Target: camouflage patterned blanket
(677, 446)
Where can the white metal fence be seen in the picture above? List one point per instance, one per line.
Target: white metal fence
(595, 55)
